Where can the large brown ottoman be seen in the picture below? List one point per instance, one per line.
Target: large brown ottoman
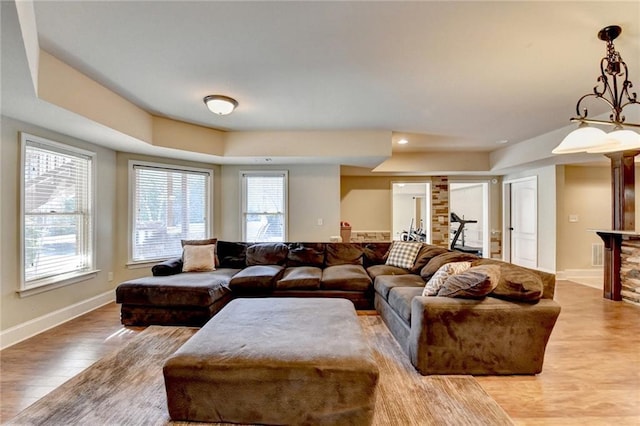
(275, 361)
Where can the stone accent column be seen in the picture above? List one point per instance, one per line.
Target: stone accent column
(440, 211)
(630, 270)
(496, 245)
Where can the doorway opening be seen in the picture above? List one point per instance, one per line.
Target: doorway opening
(411, 208)
(469, 217)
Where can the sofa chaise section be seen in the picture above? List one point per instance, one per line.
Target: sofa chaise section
(187, 298)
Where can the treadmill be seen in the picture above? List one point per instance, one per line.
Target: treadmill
(460, 233)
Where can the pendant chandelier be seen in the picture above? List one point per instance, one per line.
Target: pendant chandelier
(613, 89)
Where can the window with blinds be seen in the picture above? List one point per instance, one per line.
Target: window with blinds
(264, 206)
(57, 207)
(169, 204)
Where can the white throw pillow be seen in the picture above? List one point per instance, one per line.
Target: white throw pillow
(403, 254)
(437, 280)
(199, 258)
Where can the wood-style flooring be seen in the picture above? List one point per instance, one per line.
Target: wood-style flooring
(590, 374)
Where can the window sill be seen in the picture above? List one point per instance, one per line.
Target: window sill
(57, 282)
(144, 264)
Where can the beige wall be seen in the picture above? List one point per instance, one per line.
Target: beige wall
(313, 194)
(365, 202)
(16, 310)
(585, 192)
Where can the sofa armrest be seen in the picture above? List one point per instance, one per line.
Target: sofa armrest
(488, 336)
(168, 267)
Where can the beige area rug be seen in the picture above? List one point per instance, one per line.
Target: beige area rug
(127, 388)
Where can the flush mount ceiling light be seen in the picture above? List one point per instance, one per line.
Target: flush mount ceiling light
(220, 104)
(403, 142)
(613, 71)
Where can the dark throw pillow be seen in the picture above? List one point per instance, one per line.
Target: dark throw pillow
(518, 284)
(232, 254)
(474, 283)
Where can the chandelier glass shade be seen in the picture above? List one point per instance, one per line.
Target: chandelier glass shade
(613, 89)
(220, 104)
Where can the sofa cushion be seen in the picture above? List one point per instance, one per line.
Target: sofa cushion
(343, 254)
(199, 289)
(438, 279)
(232, 254)
(300, 277)
(306, 254)
(168, 267)
(375, 253)
(400, 300)
(267, 254)
(426, 253)
(377, 270)
(345, 277)
(474, 283)
(199, 258)
(256, 278)
(384, 283)
(518, 284)
(441, 259)
(403, 254)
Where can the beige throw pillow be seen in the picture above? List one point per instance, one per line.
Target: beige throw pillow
(199, 258)
(437, 280)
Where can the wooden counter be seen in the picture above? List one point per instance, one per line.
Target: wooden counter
(621, 264)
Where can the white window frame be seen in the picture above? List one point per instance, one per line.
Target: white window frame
(243, 198)
(132, 191)
(27, 288)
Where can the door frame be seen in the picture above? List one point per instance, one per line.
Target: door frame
(428, 207)
(507, 215)
(486, 212)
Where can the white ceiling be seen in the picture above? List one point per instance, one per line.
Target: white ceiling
(446, 75)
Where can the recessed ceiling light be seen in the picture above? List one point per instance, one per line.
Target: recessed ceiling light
(502, 142)
(403, 142)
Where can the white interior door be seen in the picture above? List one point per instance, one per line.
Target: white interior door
(524, 222)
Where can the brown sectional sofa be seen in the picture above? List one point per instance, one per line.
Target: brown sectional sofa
(505, 332)
(173, 297)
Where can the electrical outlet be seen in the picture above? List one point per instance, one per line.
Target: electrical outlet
(573, 218)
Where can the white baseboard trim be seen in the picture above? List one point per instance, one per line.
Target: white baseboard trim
(23, 331)
(589, 277)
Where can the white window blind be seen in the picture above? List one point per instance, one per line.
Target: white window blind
(264, 200)
(169, 205)
(57, 212)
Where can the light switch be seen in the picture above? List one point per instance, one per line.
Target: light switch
(320, 222)
(573, 218)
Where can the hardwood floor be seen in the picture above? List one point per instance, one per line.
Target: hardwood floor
(590, 374)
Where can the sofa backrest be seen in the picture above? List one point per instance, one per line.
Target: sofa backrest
(240, 254)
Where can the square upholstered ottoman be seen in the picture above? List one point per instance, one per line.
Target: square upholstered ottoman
(275, 361)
